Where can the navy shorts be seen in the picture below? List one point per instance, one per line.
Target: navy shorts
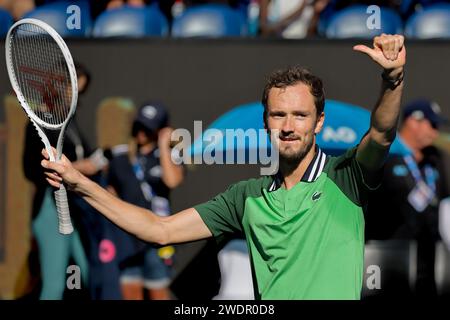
(154, 273)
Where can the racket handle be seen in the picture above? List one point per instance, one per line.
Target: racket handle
(62, 206)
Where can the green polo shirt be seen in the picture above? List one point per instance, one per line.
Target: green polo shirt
(306, 242)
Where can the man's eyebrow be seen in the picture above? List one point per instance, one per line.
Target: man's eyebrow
(301, 112)
(277, 112)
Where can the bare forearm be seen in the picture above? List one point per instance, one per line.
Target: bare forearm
(389, 52)
(184, 226)
(374, 147)
(385, 117)
(138, 221)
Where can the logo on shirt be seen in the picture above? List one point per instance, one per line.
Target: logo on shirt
(316, 196)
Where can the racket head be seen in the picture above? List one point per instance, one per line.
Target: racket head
(42, 73)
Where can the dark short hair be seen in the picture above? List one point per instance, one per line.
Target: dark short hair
(292, 76)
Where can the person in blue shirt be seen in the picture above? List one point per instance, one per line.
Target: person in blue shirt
(143, 174)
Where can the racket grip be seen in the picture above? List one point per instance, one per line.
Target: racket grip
(62, 206)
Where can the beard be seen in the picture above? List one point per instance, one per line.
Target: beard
(292, 157)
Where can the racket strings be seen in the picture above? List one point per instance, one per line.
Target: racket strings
(41, 73)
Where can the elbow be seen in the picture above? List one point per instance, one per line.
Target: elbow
(383, 138)
(160, 240)
(157, 233)
(163, 242)
(173, 183)
(164, 238)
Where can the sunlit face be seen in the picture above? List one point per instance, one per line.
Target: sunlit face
(292, 112)
(424, 132)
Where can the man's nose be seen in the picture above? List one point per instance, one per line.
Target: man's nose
(288, 124)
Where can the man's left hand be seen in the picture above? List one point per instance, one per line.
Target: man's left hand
(388, 51)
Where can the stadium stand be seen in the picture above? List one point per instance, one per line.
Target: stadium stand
(58, 15)
(131, 22)
(432, 22)
(6, 22)
(352, 22)
(211, 20)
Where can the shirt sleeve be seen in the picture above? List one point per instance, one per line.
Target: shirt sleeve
(223, 214)
(355, 180)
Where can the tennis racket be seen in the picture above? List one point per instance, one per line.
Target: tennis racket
(42, 73)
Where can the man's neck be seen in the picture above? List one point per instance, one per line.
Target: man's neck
(291, 176)
(409, 140)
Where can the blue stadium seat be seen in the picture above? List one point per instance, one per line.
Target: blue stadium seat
(51, 1)
(59, 15)
(354, 22)
(131, 22)
(6, 22)
(210, 20)
(432, 22)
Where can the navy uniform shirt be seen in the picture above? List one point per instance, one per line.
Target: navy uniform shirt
(123, 179)
(391, 214)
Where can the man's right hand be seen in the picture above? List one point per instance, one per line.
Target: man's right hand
(61, 171)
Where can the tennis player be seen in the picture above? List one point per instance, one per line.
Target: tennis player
(304, 226)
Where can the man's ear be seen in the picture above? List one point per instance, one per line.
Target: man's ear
(319, 123)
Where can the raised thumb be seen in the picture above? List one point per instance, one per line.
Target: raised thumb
(362, 48)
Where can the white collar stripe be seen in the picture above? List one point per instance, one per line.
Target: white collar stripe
(272, 187)
(322, 164)
(312, 174)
